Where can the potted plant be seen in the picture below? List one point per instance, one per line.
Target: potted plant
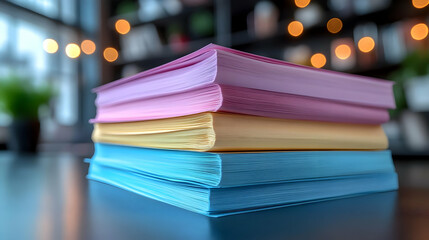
(21, 100)
(412, 101)
(415, 67)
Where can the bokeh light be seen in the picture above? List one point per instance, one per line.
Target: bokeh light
(419, 31)
(88, 47)
(318, 60)
(72, 50)
(334, 25)
(122, 26)
(343, 51)
(50, 45)
(302, 3)
(295, 28)
(420, 3)
(110, 54)
(366, 44)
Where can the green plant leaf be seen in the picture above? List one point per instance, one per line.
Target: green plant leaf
(20, 99)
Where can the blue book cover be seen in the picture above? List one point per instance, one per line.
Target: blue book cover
(238, 169)
(219, 184)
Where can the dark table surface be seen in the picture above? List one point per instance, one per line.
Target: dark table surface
(48, 197)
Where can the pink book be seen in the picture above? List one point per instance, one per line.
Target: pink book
(216, 78)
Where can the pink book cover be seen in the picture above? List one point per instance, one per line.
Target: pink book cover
(216, 78)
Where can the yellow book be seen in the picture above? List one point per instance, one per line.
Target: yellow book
(236, 132)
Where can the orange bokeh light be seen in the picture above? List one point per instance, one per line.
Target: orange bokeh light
(343, 51)
(420, 3)
(302, 3)
(122, 26)
(295, 28)
(110, 54)
(366, 44)
(419, 31)
(88, 47)
(318, 60)
(334, 25)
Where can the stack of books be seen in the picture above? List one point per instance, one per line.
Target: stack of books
(221, 131)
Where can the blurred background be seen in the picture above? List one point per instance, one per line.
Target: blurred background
(58, 50)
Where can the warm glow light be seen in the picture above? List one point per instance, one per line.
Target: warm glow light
(343, 51)
(88, 47)
(295, 28)
(50, 45)
(72, 50)
(419, 31)
(334, 25)
(366, 44)
(420, 3)
(110, 54)
(122, 26)
(318, 60)
(302, 3)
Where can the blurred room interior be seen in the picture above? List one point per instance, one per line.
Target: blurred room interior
(72, 46)
(54, 52)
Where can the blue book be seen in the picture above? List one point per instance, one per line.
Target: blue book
(238, 169)
(229, 183)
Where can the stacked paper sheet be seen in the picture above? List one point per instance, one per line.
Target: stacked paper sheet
(152, 129)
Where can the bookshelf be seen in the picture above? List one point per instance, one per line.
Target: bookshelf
(231, 30)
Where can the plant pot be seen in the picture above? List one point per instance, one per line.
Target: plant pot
(24, 135)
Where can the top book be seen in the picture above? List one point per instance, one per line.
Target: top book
(217, 78)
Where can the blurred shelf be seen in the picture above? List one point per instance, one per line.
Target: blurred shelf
(274, 45)
(401, 150)
(134, 19)
(380, 17)
(243, 40)
(405, 153)
(378, 71)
